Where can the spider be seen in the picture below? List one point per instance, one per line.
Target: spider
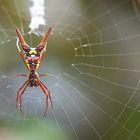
(32, 58)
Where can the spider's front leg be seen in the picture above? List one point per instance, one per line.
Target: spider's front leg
(18, 92)
(24, 86)
(49, 94)
(46, 91)
(20, 97)
(46, 97)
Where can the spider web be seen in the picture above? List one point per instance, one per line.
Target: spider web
(93, 66)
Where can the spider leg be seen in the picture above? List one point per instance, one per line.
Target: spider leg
(19, 93)
(47, 88)
(44, 91)
(21, 97)
(43, 74)
(17, 75)
(48, 93)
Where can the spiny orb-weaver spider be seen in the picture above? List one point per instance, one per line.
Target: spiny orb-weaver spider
(32, 58)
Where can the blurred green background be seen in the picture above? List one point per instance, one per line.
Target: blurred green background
(93, 65)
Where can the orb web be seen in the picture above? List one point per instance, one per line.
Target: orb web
(93, 67)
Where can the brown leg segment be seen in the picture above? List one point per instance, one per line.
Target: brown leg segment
(44, 91)
(49, 94)
(43, 74)
(17, 75)
(19, 92)
(20, 97)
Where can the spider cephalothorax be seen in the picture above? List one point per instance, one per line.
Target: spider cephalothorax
(32, 58)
